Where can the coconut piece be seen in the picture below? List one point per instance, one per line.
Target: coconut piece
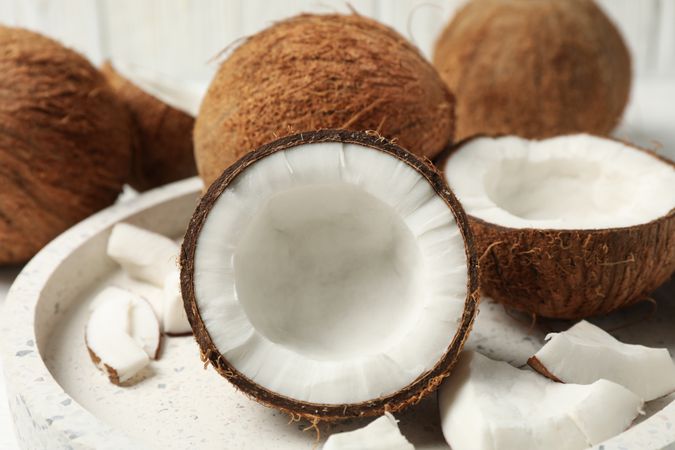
(330, 275)
(586, 353)
(174, 318)
(163, 127)
(380, 434)
(321, 71)
(489, 404)
(570, 226)
(122, 333)
(144, 255)
(65, 142)
(534, 68)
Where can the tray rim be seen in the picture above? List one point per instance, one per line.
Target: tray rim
(17, 328)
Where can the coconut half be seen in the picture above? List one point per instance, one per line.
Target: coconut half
(586, 353)
(330, 274)
(122, 333)
(569, 226)
(380, 434)
(144, 255)
(491, 405)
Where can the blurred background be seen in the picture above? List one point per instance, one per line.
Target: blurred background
(183, 38)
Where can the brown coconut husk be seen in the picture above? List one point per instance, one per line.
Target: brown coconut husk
(163, 135)
(112, 374)
(426, 382)
(573, 274)
(534, 68)
(321, 71)
(534, 362)
(65, 142)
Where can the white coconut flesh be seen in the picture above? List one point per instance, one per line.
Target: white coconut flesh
(122, 331)
(586, 353)
(491, 405)
(144, 255)
(174, 319)
(181, 95)
(568, 182)
(380, 434)
(331, 273)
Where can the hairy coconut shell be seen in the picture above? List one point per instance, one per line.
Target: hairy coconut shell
(65, 142)
(321, 71)
(163, 135)
(534, 68)
(573, 274)
(425, 384)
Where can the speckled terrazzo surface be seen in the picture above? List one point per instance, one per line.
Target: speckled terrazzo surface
(59, 400)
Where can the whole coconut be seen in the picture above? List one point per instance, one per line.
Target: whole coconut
(321, 71)
(534, 68)
(162, 135)
(65, 142)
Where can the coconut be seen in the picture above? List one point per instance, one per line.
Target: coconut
(143, 254)
(122, 334)
(586, 353)
(490, 405)
(321, 71)
(380, 434)
(534, 68)
(65, 142)
(567, 227)
(330, 275)
(163, 129)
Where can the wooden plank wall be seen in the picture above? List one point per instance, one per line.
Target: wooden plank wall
(181, 37)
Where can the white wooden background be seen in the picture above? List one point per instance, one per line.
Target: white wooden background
(180, 37)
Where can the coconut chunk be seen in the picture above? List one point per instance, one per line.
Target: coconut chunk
(122, 333)
(489, 404)
(380, 434)
(144, 255)
(174, 318)
(327, 274)
(586, 353)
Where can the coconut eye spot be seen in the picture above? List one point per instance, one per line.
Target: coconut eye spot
(568, 182)
(338, 267)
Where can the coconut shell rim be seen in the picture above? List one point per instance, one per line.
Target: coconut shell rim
(412, 393)
(443, 158)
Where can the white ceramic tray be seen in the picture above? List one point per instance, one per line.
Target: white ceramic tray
(60, 400)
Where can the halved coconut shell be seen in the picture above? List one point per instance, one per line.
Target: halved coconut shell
(304, 189)
(540, 265)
